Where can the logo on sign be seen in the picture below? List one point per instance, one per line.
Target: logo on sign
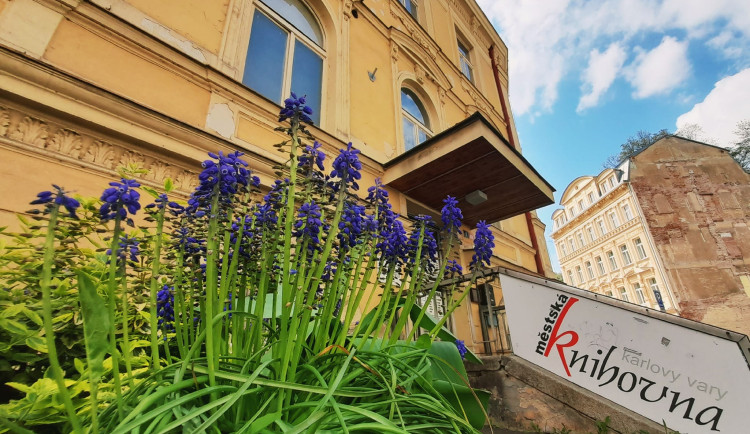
(628, 379)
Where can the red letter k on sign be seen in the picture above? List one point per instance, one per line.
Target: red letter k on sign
(554, 337)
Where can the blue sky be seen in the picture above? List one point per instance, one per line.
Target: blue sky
(587, 74)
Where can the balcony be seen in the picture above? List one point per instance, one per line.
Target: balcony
(471, 156)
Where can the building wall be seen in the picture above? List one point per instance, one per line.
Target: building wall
(88, 87)
(696, 201)
(598, 219)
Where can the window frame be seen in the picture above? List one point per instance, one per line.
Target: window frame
(570, 277)
(414, 10)
(640, 249)
(628, 212)
(293, 35)
(639, 295)
(625, 255)
(612, 260)
(602, 226)
(624, 294)
(600, 265)
(405, 115)
(590, 270)
(614, 219)
(464, 57)
(579, 272)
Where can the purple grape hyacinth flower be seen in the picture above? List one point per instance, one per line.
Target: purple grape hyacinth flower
(165, 307)
(483, 245)
(294, 106)
(451, 215)
(347, 166)
(461, 348)
(312, 155)
(59, 197)
(453, 269)
(120, 200)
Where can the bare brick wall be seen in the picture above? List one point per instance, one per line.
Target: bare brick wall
(696, 201)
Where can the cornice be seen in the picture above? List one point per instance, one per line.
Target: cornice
(600, 241)
(595, 207)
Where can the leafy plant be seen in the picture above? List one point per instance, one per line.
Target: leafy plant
(303, 309)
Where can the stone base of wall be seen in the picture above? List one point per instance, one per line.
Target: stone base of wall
(525, 395)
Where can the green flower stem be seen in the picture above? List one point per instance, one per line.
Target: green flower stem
(126, 351)
(181, 310)
(155, 267)
(208, 314)
(383, 306)
(49, 333)
(411, 291)
(354, 302)
(111, 302)
(433, 291)
(453, 307)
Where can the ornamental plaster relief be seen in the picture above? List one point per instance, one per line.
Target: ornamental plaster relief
(29, 134)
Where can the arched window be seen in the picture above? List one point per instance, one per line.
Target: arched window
(416, 122)
(285, 53)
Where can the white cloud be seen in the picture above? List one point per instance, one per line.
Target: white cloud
(726, 104)
(548, 40)
(660, 70)
(601, 72)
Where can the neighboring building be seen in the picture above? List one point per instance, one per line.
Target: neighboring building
(667, 229)
(420, 87)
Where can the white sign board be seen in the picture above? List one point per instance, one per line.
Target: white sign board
(696, 382)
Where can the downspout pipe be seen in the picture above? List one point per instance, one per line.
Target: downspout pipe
(512, 141)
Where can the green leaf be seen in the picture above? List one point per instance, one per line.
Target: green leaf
(168, 185)
(428, 322)
(95, 325)
(78, 363)
(37, 343)
(150, 191)
(450, 379)
(13, 327)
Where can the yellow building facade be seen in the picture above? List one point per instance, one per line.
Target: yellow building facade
(603, 243)
(420, 87)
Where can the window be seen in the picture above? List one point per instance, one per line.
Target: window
(581, 241)
(611, 181)
(285, 53)
(590, 270)
(570, 278)
(657, 293)
(411, 6)
(600, 265)
(570, 244)
(465, 61)
(592, 234)
(628, 213)
(639, 248)
(562, 248)
(624, 294)
(580, 204)
(416, 123)
(614, 219)
(602, 227)
(625, 255)
(591, 198)
(612, 262)
(579, 273)
(639, 293)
